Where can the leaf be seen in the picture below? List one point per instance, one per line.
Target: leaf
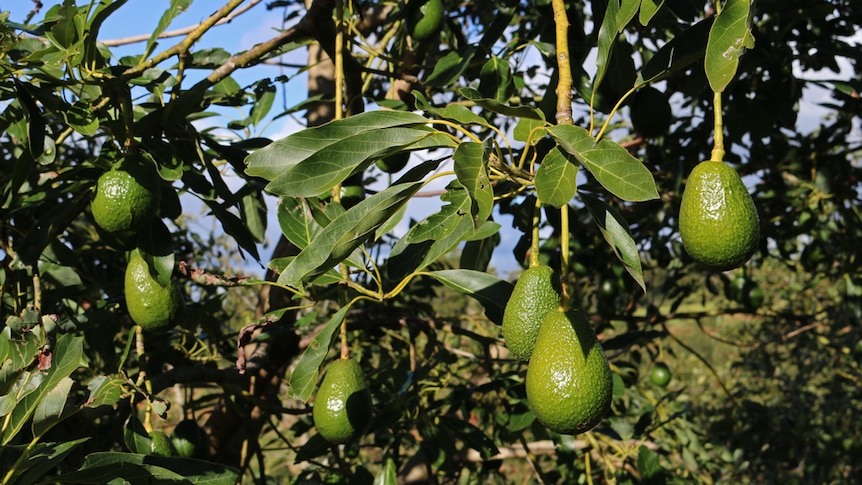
(254, 214)
(135, 436)
(457, 113)
(98, 468)
(477, 253)
(104, 391)
(66, 358)
(450, 67)
(495, 106)
(440, 224)
(615, 231)
(471, 171)
(346, 233)
(50, 409)
(678, 53)
(388, 474)
(177, 7)
(648, 464)
(304, 375)
(275, 159)
(628, 10)
(474, 437)
(729, 35)
(556, 178)
(526, 129)
(296, 221)
(44, 458)
(495, 80)
(265, 95)
(487, 289)
(648, 10)
(235, 227)
(606, 40)
(613, 166)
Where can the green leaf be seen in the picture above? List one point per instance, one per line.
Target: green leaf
(135, 436)
(613, 166)
(297, 222)
(104, 391)
(729, 36)
(450, 67)
(628, 10)
(606, 40)
(524, 130)
(254, 214)
(495, 80)
(81, 118)
(489, 290)
(346, 233)
(49, 411)
(648, 464)
(616, 232)
(457, 113)
(388, 475)
(235, 227)
(44, 458)
(471, 171)
(304, 376)
(678, 53)
(477, 253)
(495, 106)
(648, 10)
(265, 95)
(441, 223)
(98, 468)
(556, 178)
(177, 7)
(311, 161)
(66, 357)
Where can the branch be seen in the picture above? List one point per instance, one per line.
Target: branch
(178, 32)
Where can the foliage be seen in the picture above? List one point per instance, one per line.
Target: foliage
(760, 392)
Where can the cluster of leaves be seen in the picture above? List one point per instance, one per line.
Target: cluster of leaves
(477, 116)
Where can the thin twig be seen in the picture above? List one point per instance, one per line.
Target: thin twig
(178, 32)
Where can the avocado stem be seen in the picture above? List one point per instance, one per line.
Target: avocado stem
(565, 291)
(718, 138)
(534, 243)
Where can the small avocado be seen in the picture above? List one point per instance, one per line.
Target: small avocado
(342, 406)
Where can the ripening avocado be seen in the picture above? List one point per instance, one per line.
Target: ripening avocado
(342, 406)
(569, 382)
(535, 294)
(718, 223)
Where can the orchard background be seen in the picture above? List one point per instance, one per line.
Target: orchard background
(254, 146)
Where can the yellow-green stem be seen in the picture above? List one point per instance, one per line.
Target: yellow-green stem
(564, 68)
(534, 244)
(718, 139)
(566, 292)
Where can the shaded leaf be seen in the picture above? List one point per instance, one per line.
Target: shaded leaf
(489, 290)
(304, 376)
(495, 106)
(616, 232)
(176, 8)
(98, 468)
(678, 53)
(50, 409)
(44, 458)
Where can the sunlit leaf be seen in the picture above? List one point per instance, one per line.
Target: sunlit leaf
(729, 36)
(66, 357)
(613, 166)
(296, 221)
(556, 178)
(50, 408)
(648, 10)
(472, 172)
(346, 233)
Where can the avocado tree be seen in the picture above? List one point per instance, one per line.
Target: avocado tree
(560, 135)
